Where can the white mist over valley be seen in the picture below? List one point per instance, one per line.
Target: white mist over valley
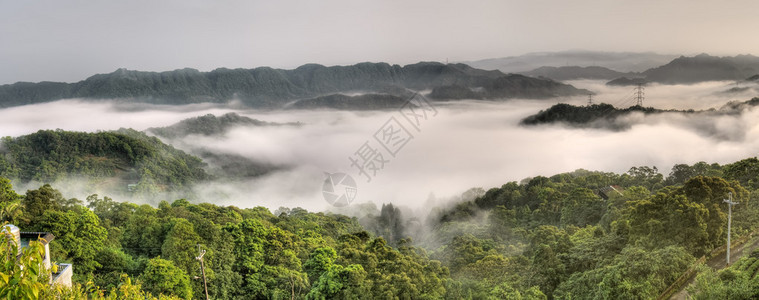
(467, 144)
(494, 149)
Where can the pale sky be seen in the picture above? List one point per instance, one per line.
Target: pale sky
(50, 40)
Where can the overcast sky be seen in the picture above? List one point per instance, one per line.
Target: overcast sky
(71, 40)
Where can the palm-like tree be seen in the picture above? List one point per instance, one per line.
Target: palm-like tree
(9, 210)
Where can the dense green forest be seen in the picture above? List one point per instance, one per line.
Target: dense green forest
(115, 159)
(577, 235)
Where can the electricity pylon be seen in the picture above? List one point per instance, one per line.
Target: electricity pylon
(639, 95)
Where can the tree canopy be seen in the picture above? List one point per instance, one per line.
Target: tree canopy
(575, 235)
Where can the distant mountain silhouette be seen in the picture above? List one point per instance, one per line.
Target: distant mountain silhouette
(623, 68)
(576, 72)
(620, 61)
(699, 68)
(704, 67)
(508, 87)
(274, 88)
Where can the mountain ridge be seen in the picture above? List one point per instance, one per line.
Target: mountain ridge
(704, 67)
(698, 68)
(266, 87)
(619, 61)
(577, 72)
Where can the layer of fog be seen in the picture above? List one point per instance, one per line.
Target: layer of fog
(700, 96)
(467, 144)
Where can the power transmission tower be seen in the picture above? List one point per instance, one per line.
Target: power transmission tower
(639, 95)
(730, 204)
(590, 99)
(203, 269)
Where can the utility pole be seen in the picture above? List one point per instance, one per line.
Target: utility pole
(203, 269)
(730, 204)
(639, 95)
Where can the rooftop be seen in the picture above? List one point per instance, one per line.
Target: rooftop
(26, 237)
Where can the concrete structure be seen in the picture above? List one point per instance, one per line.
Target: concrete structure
(44, 237)
(65, 271)
(63, 277)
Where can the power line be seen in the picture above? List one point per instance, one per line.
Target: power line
(624, 99)
(634, 95)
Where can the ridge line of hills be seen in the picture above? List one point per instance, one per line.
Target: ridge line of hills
(266, 87)
(680, 70)
(619, 61)
(382, 85)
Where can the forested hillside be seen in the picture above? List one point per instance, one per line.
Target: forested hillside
(116, 159)
(219, 164)
(208, 125)
(605, 115)
(578, 235)
(595, 115)
(274, 88)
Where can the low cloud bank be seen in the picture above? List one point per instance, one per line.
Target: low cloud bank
(467, 144)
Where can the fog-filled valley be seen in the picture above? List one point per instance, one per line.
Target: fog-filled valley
(444, 189)
(304, 150)
(466, 144)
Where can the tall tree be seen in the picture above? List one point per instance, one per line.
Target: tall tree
(161, 277)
